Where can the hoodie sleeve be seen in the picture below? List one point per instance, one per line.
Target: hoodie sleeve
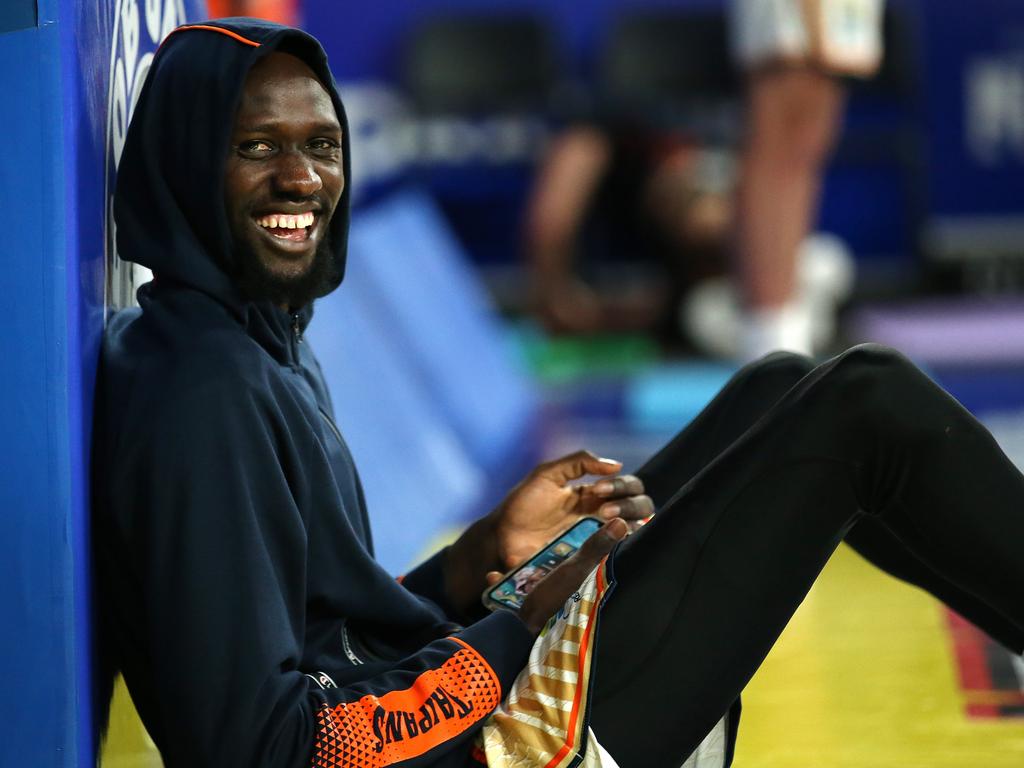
(218, 546)
(427, 580)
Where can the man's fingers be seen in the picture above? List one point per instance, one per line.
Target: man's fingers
(587, 557)
(493, 577)
(623, 485)
(557, 586)
(601, 542)
(576, 465)
(612, 532)
(633, 508)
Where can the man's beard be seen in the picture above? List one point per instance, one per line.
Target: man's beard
(257, 283)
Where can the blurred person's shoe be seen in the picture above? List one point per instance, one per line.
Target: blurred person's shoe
(827, 272)
(711, 315)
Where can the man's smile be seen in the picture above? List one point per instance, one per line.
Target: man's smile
(290, 232)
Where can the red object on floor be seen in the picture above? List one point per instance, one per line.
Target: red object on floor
(986, 693)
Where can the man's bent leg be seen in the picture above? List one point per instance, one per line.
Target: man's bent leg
(873, 541)
(747, 397)
(704, 590)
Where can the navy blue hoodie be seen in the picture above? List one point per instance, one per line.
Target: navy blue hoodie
(239, 593)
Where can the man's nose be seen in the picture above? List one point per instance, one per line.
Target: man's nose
(296, 175)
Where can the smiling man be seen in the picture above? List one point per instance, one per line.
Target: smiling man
(283, 180)
(240, 596)
(237, 586)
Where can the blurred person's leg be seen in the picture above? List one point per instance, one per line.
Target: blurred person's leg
(793, 120)
(688, 210)
(863, 442)
(565, 185)
(792, 51)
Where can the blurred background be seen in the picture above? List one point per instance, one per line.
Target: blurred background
(548, 252)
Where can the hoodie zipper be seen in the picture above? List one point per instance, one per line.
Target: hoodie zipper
(296, 341)
(331, 424)
(297, 338)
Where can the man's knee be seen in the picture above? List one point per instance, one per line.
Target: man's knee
(872, 381)
(873, 362)
(777, 369)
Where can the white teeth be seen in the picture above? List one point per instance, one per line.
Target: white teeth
(286, 221)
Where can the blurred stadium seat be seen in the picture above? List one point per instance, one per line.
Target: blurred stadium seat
(480, 64)
(673, 67)
(483, 86)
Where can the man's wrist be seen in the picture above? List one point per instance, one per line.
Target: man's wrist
(472, 555)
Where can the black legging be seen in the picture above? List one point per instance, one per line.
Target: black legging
(754, 496)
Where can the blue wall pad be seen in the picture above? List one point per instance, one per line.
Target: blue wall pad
(41, 507)
(426, 297)
(667, 398)
(415, 471)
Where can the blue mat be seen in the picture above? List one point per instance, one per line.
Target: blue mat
(666, 398)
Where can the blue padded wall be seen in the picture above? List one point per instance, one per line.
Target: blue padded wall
(425, 390)
(43, 635)
(430, 298)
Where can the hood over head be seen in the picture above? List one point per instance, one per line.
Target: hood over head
(169, 195)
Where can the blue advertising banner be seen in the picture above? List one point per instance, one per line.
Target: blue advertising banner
(975, 98)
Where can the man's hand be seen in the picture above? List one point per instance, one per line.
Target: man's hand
(545, 504)
(537, 510)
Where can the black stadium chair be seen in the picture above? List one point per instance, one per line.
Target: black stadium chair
(481, 64)
(484, 86)
(673, 67)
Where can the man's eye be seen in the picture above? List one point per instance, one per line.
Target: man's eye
(254, 147)
(323, 145)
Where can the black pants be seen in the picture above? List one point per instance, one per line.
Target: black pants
(787, 461)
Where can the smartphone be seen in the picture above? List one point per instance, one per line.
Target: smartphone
(512, 590)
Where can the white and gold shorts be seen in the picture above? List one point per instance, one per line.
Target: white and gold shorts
(843, 37)
(543, 721)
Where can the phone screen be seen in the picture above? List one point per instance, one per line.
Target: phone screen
(511, 591)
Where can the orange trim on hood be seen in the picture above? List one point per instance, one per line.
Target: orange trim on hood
(211, 28)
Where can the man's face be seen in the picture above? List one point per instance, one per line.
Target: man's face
(282, 182)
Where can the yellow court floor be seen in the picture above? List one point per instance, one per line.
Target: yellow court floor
(865, 676)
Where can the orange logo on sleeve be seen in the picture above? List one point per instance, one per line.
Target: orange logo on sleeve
(376, 731)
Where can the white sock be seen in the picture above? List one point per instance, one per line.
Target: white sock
(777, 328)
